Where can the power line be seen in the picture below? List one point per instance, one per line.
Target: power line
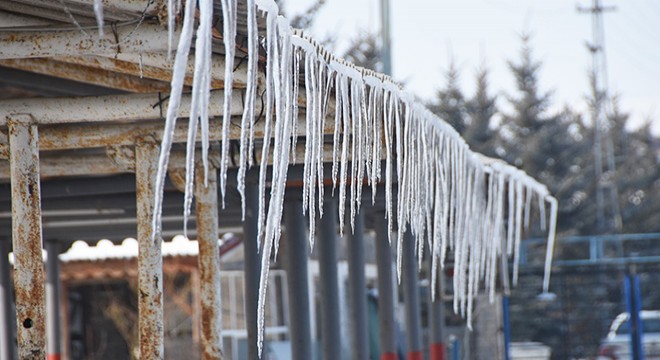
(608, 215)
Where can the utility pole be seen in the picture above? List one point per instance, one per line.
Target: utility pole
(386, 52)
(608, 215)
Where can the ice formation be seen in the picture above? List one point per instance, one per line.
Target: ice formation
(450, 198)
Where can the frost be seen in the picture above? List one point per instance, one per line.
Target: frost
(452, 200)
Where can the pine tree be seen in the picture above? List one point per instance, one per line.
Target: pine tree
(481, 109)
(449, 104)
(529, 110)
(637, 173)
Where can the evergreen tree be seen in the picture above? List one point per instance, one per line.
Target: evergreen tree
(481, 109)
(528, 115)
(637, 173)
(450, 103)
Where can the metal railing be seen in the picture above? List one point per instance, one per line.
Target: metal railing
(615, 249)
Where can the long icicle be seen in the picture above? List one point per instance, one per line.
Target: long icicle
(247, 121)
(229, 38)
(178, 75)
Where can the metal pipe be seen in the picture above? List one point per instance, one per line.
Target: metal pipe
(329, 286)
(29, 277)
(209, 263)
(150, 261)
(357, 292)
(385, 289)
(7, 320)
(436, 317)
(411, 298)
(253, 267)
(298, 289)
(53, 322)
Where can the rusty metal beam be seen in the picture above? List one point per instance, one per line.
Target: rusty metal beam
(88, 75)
(150, 260)
(9, 20)
(67, 166)
(113, 10)
(29, 277)
(209, 263)
(158, 66)
(30, 44)
(114, 108)
(75, 164)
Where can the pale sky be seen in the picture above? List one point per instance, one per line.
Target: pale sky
(426, 34)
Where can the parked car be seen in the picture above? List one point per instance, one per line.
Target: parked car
(616, 346)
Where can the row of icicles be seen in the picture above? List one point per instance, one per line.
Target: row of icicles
(451, 198)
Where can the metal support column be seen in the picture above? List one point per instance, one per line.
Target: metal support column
(29, 277)
(436, 317)
(209, 263)
(411, 298)
(634, 307)
(150, 260)
(330, 316)
(7, 320)
(252, 266)
(357, 290)
(53, 301)
(298, 289)
(385, 289)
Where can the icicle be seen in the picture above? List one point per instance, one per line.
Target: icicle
(388, 162)
(178, 75)
(344, 152)
(170, 26)
(229, 38)
(267, 243)
(518, 232)
(271, 46)
(296, 80)
(98, 12)
(542, 212)
(551, 242)
(528, 206)
(335, 137)
(511, 213)
(247, 121)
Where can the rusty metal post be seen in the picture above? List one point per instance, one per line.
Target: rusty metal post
(298, 286)
(411, 298)
(385, 289)
(252, 266)
(150, 260)
(357, 290)
(209, 263)
(53, 301)
(29, 277)
(328, 283)
(7, 320)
